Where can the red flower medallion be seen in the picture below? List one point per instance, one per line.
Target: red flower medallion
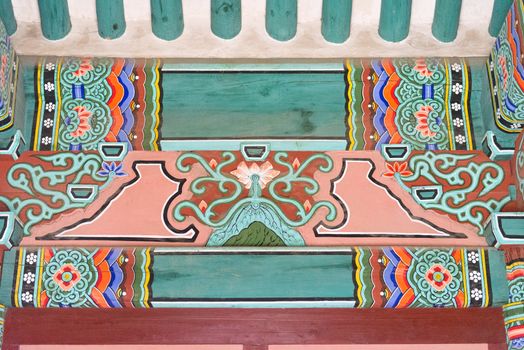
(67, 277)
(438, 276)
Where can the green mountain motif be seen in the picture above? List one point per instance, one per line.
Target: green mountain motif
(256, 234)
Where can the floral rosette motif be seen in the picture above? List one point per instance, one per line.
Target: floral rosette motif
(435, 276)
(68, 278)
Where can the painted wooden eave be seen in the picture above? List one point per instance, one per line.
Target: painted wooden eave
(194, 30)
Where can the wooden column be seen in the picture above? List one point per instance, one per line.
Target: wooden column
(336, 20)
(111, 19)
(500, 11)
(281, 19)
(7, 16)
(395, 16)
(446, 19)
(226, 19)
(167, 18)
(54, 18)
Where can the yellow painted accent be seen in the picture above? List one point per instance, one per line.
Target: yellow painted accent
(348, 107)
(40, 279)
(465, 98)
(147, 277)
(485, 278)
(157, 104)
(511, 320)
(446, 103)
(17, 279)
(464, 261)
(515, 264)
(39, 108)
(58, 93)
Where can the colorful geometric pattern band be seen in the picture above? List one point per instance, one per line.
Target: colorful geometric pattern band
(82, 102)
(407, 277)
(514, 310)
(82, 278)
(8, 80)
(423, 102)
(506, 73)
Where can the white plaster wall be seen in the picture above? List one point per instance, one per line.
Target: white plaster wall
(197, 40)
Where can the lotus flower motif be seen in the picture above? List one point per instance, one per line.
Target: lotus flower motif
(246, 175)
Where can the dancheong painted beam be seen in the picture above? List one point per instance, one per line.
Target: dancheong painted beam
(314, 193)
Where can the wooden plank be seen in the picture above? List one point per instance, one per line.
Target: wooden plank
(7, 16)
(395, 16)
(167, 18)
(336, 20)
(252, 277)
(253, 104)
(110, 18)
(54, 18)
(446, 19)
(498, 16)
(281, 19)
(249, 326)
(226, 18)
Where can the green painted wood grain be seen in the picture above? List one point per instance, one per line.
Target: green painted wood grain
(110, 18)
(498, 16)
(395, 17)
(54, 18)
(336, 20)
(446, 19)
(226, 19)
(252, 276)
(7, 16)
(167, 18)
(265, 104)
(497, 276)
(281, 19)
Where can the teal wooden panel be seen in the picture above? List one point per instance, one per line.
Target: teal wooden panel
(252, 276)
(167, 18)
(395, 16)
(281, 19)
(7, 16)
(254, 104)
(497, 274)
(110, 18)
(498, 16)
(336, 20)
(7, 277)
(446, 19)
(226, 19)
(54, 18)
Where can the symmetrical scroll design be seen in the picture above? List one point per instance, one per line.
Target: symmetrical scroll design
(256, 207)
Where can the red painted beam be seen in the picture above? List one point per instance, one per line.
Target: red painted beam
(254, 327)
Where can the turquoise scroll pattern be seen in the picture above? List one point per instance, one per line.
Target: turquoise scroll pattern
(255, 207)
(454, 184)
(45, 191)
